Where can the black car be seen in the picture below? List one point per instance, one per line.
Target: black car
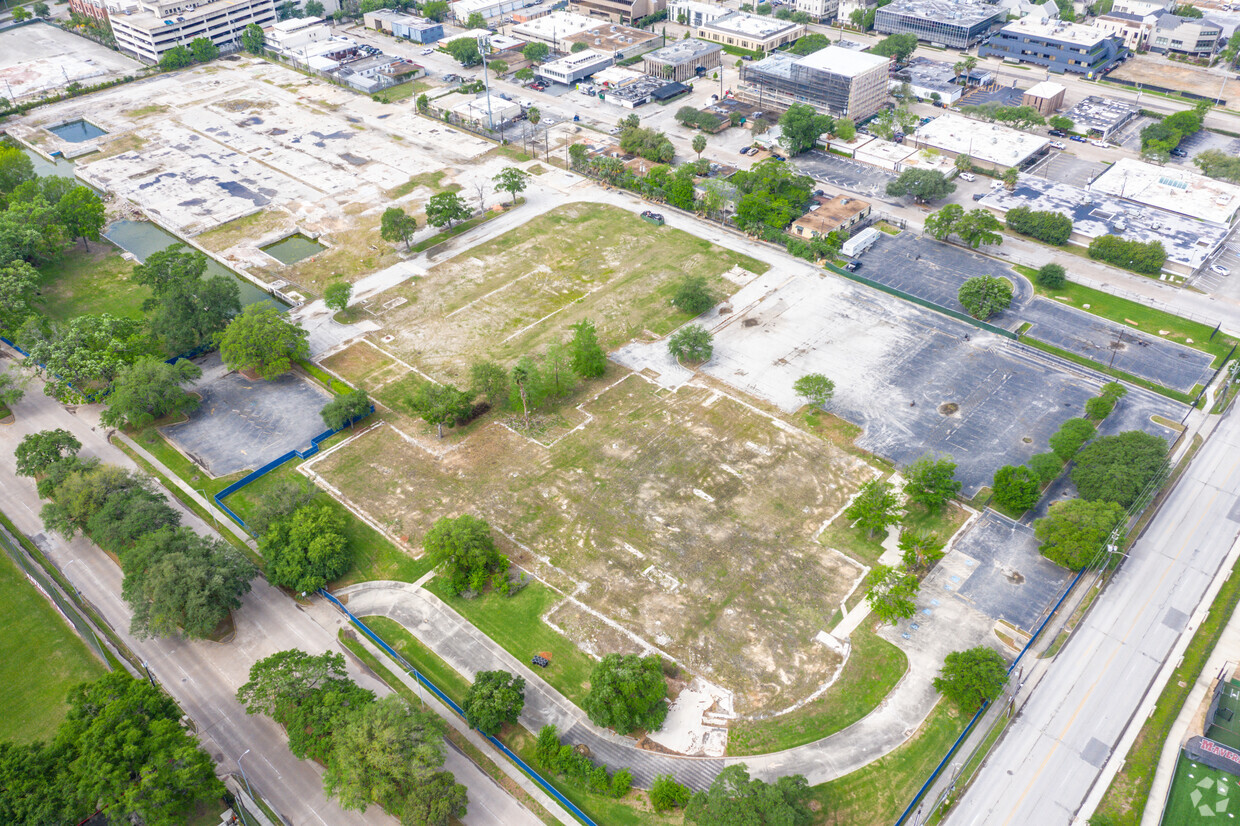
(1059, 133)
(977, 196)
(853, 266)
(1179, 153)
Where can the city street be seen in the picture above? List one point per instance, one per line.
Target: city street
(203, 676)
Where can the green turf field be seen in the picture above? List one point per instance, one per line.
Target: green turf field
(1201, 795)
(41, 658)
(1226, 726)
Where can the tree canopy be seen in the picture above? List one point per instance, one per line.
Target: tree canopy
(734, 799)
(397, 225)
(898, 46)
(337, 294)
(815, 388)
(972, 677)
(801, 126)
(921, 185)
(692, 343)
(150, 389)
(874, 507)
(306, 550)
(985, 296)
(588, 358)
(38, 451)
(627, 692)
(1017, 488)
(262, 340)
(83, 356)
(446, 208)
(494, 698)
(931, 482)
(1074, 532)
(892, 593)
(1117, 468)
(512, 180)
(465, 554)
(346, 409)
(1073, 433)
(693, 296)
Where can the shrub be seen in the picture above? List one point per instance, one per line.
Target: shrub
(666, 793)
(1047, 226)
(1071, 435)
(1052, 276)
(1143, 257)
(1016, 487)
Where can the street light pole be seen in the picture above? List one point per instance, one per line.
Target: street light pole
(248, 790)
(148, 675)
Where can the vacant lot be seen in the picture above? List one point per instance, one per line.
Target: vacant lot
(1160, 72)
(41, 659)
(685, 518)
(91, 283)
(514, 295)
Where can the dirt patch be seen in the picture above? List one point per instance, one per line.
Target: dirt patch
(685, 518)
(364, 366)
(1163, 73)
(949, 408)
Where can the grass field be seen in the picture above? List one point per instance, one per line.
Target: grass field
(41, 659)
(445, 677)
(1200, 794)
(91, 283)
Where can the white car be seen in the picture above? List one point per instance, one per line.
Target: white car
(1059, 144)
(428, 51)
(968, 176)
(1101, 144)
(1220, 269)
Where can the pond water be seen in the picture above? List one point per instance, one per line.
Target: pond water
(77, 131)
(293, 249)
(45, 168)
(141, 238)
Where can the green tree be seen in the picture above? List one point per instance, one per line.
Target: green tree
(30, 231)
(445, 208)
(38, 451)
(277, 501)
(699, 145)
(289, 677)
(424, 103)
(533, 115)
(511, 180)
(1144, 257)
(801, 126)
(921, 185)
(81, 214)
(810, 43)
(892, 594)
(1073, 433)
(178, 57)
(692, 296)
(183, 583)
(436, 800)
(314, 8)
(972, 677)
(440, 404)
(465, 50)
(665, 793)
(499, 67)
(15, 168)
(150, 389)
(346, 409)
(41, 9)
(465, 555)
(19, 287)
(1218, 164)
(692, 344)
(203, 50)
(262, 340)
(337, 294)
(1075, 532)
(535, 52)
(733, 799)
(1016, 488)
(1045, 466)
(920, 549)
(627, 692)
(475, 20)
(815, 388)
(12, 389)
(132, 755)
(978, 227)
(985, 296)
(897, 46)
(557, 370)
(1010, 176)
(845, 129)
(37, 786)
(1117, 468)
(395, 225)
(494, 698)
(488, 379)
(874, 507)
(187, 310)
(1060, 122)
(85, 355)
(942, 223)
(1052, 276)
(383, 750)
(931, 482)
(588, 358)
(1045, 225)
(528, 381)
(436, 10)
(307, 550)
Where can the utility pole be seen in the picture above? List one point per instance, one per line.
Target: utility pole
(148, 675)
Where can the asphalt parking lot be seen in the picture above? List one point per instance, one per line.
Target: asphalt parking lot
(844, 172)
(1011, 581)
(1216, 284)
(1200, 142)
(1147, 356)
(1129, 135)
(1068, 169)
(930, 269)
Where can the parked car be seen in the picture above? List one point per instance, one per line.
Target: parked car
(1101, 144)
(853, 266)
(968, 176)
(428, 51)
(1179, 153)
(1058, 133)
(1077, 138)
(977, 196)
(1220, 269)
(1059, 144)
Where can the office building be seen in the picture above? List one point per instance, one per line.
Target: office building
(751, 32)
(828, 214)
(408, 26)
(1133, 30)
(622, 42)
(957, 24)
(148, 29)
(554, 29)
(682, 59)
(575, 67)
(293, 36)
(692, 13)
(1040, 10)
(928, 78)
(1101, 117)
(838, 82)
(1174, 189)
(990, 145)
(1185, 35)
(1057, 46)
(617, 11)
(1142, 7)
(1046, 97)
(820, 10)
(489, 9)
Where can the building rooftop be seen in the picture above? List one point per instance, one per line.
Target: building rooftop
(927, 74)
(612, 37)
(1057, 30)
(586, 57)
(1171, 189)
(557, 25)
(294, 24)
(149, 14)
(684, 51)
(504, 43)
(616, 77)
(640, 89)
(987, 142)
(887, 151)
(751, 25)
(776, 64)
(844, 62)
(1170, 22)
(957, 12)
(1102, 114)
(462, 8)
(1045, 89)
(1094, 214)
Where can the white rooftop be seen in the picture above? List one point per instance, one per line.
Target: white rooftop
(987, 142)
(557, 25)
(844, 62)
(1171, 188)
(582, 58)
(462, 8)
(1045, 89)
(296, 23)
(888, 151)
(752, 25)
(1075, 33)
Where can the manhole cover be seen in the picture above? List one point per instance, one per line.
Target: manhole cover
(949, 408)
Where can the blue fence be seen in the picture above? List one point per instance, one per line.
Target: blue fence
(525, 767)
(275, 463)
(951, 752)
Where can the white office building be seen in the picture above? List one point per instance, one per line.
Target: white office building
(575, 67)
(150, 28)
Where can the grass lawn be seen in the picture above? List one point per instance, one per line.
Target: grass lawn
(876, 794)
(872, 671)
(430, 180)
(41, 659)
(516, 624)
(1125, 800)
(90, 283)
(1135, 315)
(448, 679)
(401, 91)
(860, 546)
(246, 228)
(463, 226)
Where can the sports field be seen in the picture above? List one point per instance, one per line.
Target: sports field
(1225, 728)
(41, 658)
(1201, 795)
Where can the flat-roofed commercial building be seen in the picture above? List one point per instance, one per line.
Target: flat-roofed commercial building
(155, 27)
(1184, 35)
(820, 10)
(682, 59)
(489, 9)
(1058, 46)
(990, 145)
(617, 11)
(408, 26)
(694, 13)
(292, 36)
(1173, 189)
(751, 32)
(838, 82)
(553, 29)
(954, 23)
(1046, 97)
(927, 78)
(1101, 116)
(827, 214)
(622, 42)
(575, 67)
